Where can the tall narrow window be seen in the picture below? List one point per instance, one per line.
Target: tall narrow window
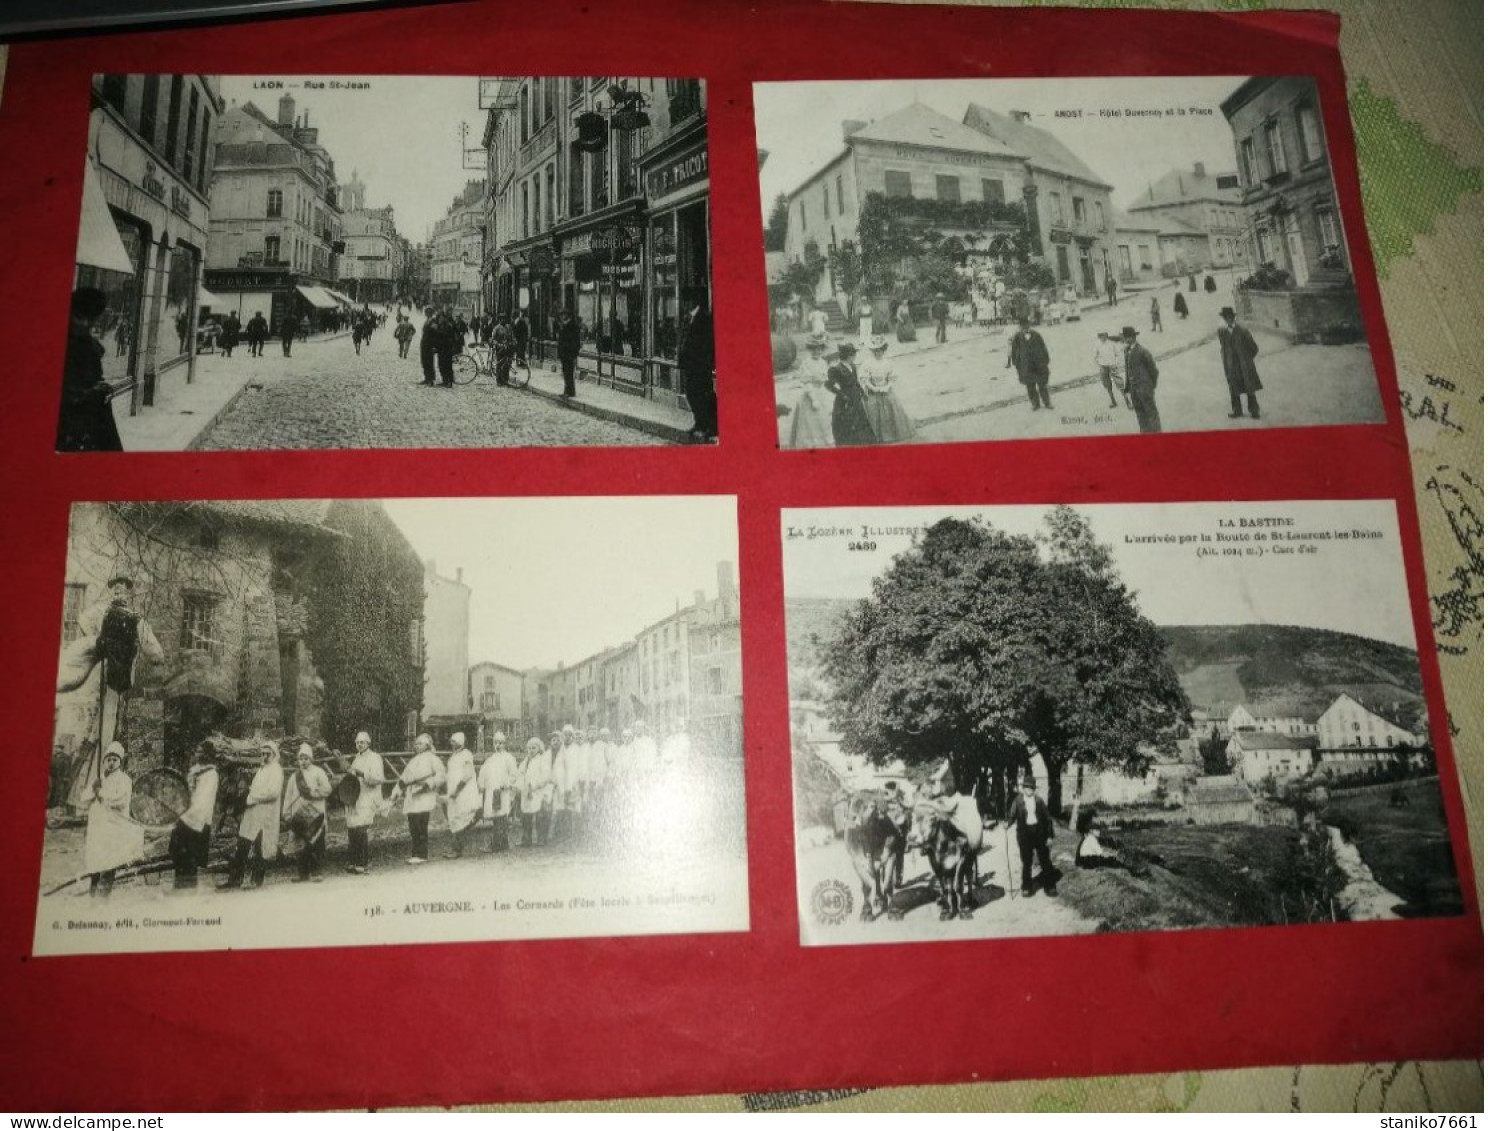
(115, 89)
(199, 623)
(841, 206)
(173, 120)
(188, 158)
(1248, 161)
(150, 110)
(1310, 132)
(992, 192)
(1275, 152)
(276, 204)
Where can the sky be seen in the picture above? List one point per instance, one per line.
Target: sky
(559, 579)
(801, 123)
(1355, 586)
(401, 136)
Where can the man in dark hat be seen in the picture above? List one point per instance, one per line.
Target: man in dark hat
(695, 362)
(1028, 354)
(1029, 816)
(86, 423)
(1237, 352)
(1141, 381)
(940, 310)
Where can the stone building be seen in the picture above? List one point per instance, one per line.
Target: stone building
(372, 267)
(276, 229)
(446, 645)
(685, 666)
(598, 202)
(917, 153)
(496, 695)
(1200, 221)
(274, 617)
(456, 248)
(144, 227)
(1290, 208)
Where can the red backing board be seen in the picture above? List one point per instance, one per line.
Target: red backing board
(445, 1024)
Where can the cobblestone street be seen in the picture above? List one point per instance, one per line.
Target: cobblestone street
(964, 390)
(326, 396)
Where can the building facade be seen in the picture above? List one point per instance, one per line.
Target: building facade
(1199, 217)
(144, 233)
(1286, 179)
(446, 644)
(496, 695)
(1256, 755)
(274, 617)
(684, 668)
(1138, 248)
(599, 203)
(372, 268)
(987, 157)
(1349, 723)
(276, 227)
(456, 249)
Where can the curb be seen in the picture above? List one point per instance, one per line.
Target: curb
(668, 432)
(195, 443)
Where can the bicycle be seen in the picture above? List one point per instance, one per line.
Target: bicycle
(480, 361)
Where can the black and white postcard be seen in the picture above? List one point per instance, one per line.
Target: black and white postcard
(1041, 720)
(342, 722)
(280, 261)
(990, 259)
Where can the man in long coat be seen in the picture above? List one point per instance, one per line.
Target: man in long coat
(695, 362)
(1237, 351)
(1030, 357)
(1141, 382)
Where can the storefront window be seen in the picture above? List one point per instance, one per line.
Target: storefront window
(664, 302)
(117, 328)
(177, 335)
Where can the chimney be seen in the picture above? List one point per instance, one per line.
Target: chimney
(851, 126)
(1021, 116)
(728, 597)
(1198, 168)
(286, 110)
(460, 573)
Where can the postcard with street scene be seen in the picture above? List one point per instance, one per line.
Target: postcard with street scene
(1046, 720)
(343, 722)
(391, 262)
(998, 259)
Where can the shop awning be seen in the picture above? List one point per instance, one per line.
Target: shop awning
(338, 296)
(99, 244)
(205, 297)
(317, 298)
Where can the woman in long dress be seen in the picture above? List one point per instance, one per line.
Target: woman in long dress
(810, 425)
(849, 419)
(890, 423)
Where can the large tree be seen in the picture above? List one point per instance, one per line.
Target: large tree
(776, 227)
(986, 648)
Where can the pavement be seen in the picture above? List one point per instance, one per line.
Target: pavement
(964, 390)
(326, 396)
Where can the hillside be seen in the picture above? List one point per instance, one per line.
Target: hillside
(1285, 669)
(1276, 669)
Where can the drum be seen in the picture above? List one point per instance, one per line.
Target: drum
(348, 790)
(160, 796)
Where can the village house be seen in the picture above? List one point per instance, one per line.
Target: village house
(1199, 218)
(274, 617)
(496, 696)
(1257, 755)
(998, 159)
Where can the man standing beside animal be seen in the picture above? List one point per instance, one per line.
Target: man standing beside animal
(1030, 817)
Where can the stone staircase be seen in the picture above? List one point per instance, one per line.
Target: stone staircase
(836, 320)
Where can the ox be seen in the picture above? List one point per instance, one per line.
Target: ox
(875, 843)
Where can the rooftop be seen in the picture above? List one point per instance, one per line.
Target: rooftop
(1041, 148)
(1184, 186)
